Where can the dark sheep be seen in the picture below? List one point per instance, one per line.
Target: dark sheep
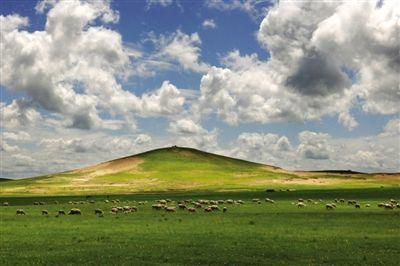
(75, 211)
(98, 211)
(20, 212)
(191, 209)
(357, 206)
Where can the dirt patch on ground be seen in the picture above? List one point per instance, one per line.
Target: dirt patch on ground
(116, 166)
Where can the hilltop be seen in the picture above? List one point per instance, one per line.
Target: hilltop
(183, 169)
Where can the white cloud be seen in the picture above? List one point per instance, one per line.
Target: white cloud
(209, 24)
(18, 113)
(317, 66)
(255, 8)
(186, 127)
(314, 145)
(72, 68)
(163, 3)
(18, 136)
(181, 48)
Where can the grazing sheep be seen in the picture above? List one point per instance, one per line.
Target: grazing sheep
(191, 209)
(256, 200)
(309, 200)
(170, 209)
(6, 204)
(36, 203)
(114, 210)
(393, 201)
(367, 205)
(381, 205)
(214, 208)
(208, 209)
(75, 211)
(221, 201)
(98, 211)
(197, 205)
(213, 202)
(268, 200)
(229, 201)
(134, 209)
(162, 202)
(20, 212)
(357, 206)
(126, 208)
(225, 209)
(92, 201)
(182, 206)
(120, 208)
(341, 200)
(300, 200)
(300, 205)
(42, 203)
(45, 212)
(61, 212)
(106, 201)
(389, 206)
(240, 201)
(351, 202)
(157, 206)
(329, 207)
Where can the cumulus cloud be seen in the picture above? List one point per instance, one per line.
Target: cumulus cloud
(19, 113)
(317, 66)
(163, 3)
(180, 48)
(72, 68)
(209, 24)
(314, 145)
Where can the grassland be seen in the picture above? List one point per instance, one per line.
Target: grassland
(248, 234)
(183, 169)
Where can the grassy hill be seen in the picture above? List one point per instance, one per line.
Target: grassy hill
(184, 169)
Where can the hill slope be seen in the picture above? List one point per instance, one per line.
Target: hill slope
(179, 169)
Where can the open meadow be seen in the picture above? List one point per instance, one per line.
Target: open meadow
(279, 233)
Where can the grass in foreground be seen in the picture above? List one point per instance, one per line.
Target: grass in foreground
(247, 234)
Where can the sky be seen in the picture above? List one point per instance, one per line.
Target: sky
(305, 85)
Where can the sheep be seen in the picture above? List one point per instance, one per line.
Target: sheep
(6, 203)
(157, 206)
(134, 209)
(170, 209)
(341, 200)
(351, 202)
(329, 207)
(98, 211)
(191, 209)
(162, 202)
(182, 206)
(389, 206)
(106, 201)
(240, 201)
(256, 200)
(309, 200)
(393, 201)
(45, 212)
(221, 201)
(42, 203)
(381, 205)
(197, 205)
(126, 208)
(213, 202)
(114, 210)
(225, 209)
(367, 205)
(61, 212)
(36, 203)
(208, 209)
(20, 212)
(75, 211)
(357, 206)
(229, 201)
(300, 200)
(214, 208)
(268, 200)
(300, 205)
(92, 201)
(120, 208)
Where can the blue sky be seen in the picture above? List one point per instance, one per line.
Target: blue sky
(228, 88)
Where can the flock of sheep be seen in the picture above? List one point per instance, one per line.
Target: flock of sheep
(193, 206)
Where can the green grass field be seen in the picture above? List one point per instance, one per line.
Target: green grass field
(248, 234)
